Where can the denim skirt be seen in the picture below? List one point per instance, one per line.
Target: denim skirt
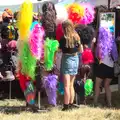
(69, 64)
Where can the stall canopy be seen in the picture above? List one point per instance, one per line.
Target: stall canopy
(15, 4)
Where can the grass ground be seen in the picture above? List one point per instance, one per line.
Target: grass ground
(12, 110)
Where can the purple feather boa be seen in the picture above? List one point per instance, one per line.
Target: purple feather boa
(106, 44)
(50, 85)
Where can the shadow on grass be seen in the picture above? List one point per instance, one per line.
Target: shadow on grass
(12, 109)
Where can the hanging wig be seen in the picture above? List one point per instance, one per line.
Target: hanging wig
(49, 17)
(86, 34)
(75, 12)
(89, 14)
(104, 43)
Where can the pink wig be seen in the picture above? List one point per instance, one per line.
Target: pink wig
(89, 14)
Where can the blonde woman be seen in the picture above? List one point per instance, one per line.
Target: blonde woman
(70, 46)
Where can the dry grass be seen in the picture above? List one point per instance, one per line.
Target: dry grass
(10, 110)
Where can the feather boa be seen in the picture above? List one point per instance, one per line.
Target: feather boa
(88, 87)
(87, 56)
(61, 88)
(105, 43)
(28, 62)
(50, 48)
(33, 25)
(25, 19)
(36, 41)
(22, 80)
(50, 85)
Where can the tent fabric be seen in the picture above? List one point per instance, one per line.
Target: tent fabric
(15, 4)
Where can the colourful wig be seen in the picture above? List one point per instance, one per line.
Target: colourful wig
(75, 12)
(89, 14)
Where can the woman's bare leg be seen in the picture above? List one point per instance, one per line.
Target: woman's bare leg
(72, 92)
(108, 91)
(97, 89)
(66, 80)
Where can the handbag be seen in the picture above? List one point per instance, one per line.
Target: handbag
(116, 69)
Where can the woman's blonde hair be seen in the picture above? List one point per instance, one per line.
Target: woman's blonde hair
(69, 33)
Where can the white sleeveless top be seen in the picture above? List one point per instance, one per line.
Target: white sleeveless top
(108, 61)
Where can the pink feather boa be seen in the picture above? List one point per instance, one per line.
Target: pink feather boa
(36, 41)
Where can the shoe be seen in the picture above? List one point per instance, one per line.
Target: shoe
(9, 75)
(66, 108)
(109, 105)
(74, 106)
(96, 105)
(31, 108)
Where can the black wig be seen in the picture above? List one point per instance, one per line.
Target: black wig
(86, 34)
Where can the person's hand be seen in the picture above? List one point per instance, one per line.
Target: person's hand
(0, 46)
(94, 40)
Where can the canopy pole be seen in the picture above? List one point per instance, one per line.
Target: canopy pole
(109, 4)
